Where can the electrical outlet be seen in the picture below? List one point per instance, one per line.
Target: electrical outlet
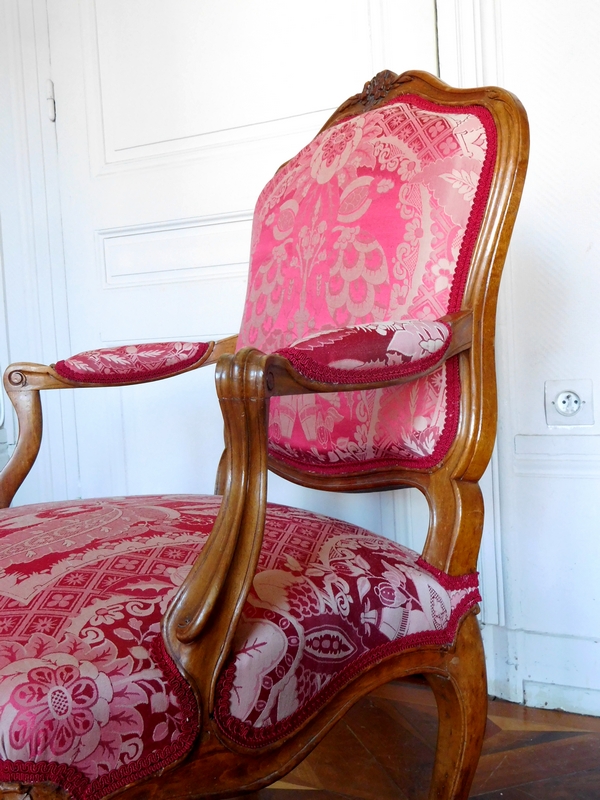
(569, 402)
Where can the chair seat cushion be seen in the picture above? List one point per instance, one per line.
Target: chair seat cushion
(328, 600)
(89, 698)
(131, 363)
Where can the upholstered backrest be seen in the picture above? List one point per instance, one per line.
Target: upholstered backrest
(374, 221)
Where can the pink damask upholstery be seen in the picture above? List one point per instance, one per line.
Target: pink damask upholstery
(376, 351)
(131, 363)
(374, 221)
(88, 696)
(328, 600)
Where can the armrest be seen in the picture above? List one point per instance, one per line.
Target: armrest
(138, 363)
(369, 356)
(118, 366)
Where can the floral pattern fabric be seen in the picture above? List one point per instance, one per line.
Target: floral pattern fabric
(88, 697)
(130, 363)
(372, 352)
(328, 600)
(374, 221)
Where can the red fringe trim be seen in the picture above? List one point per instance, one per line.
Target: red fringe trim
(66, 371)
(246, 735)
(470, 580)
(80, 787)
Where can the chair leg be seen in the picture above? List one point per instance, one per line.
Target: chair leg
(40, 791)
(461, 696)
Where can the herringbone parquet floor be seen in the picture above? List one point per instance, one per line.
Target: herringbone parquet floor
(383, 750)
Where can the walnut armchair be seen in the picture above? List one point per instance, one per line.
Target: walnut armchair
(194, 646)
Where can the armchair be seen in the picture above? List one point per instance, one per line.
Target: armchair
(201, 646)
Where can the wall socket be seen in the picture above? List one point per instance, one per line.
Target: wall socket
(569, 402)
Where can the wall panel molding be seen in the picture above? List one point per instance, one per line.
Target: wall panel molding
(558, 454)
(491, 571)
(540, 669)
(470, 42)
(109, 155)
(198, 248)
(575, 467)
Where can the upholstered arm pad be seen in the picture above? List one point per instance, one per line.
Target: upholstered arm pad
(132, 363)
(116, 366)
(374, 352)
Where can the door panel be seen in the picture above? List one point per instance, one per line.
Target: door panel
(171, 116)
(163, 66)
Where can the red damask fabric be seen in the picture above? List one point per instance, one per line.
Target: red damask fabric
(380, 351)
(329, 599)
(129, 363)
(374, 221)
(88, 696)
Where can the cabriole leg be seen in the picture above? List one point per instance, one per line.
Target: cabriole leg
(461, 696)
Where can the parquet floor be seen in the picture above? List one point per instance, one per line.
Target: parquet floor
(383, 750)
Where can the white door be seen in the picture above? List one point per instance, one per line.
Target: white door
(171, 116)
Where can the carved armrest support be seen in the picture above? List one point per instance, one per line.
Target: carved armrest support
(23, 383)
(199, 625)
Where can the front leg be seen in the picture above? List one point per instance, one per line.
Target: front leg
(461, 694)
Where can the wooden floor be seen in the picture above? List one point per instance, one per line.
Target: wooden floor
(383, 750)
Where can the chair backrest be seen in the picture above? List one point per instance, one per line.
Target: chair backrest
(381, 218)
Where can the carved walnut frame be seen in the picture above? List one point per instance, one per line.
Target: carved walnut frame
(199, 626)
